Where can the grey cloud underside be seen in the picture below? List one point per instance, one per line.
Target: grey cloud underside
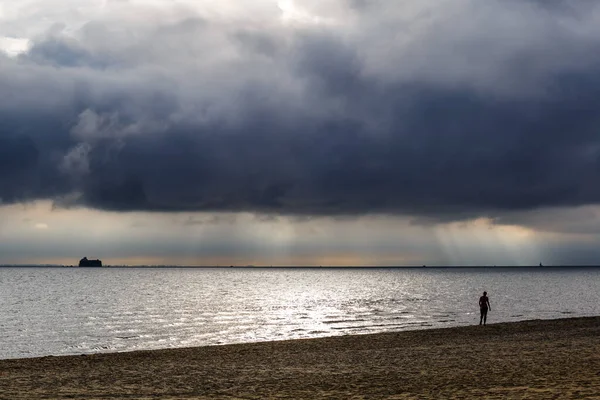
(302, 123)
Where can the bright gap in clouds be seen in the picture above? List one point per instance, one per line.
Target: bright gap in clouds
(37, 233)
(293, 13)
(481, 242)
(14, 46)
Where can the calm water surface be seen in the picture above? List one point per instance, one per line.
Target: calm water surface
(58, 311)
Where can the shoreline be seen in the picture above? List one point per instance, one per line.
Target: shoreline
(524, 359)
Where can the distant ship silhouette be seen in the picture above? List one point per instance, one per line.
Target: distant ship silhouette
(84, 262)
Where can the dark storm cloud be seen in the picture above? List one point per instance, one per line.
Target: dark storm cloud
(464, 117)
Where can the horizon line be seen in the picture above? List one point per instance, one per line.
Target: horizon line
(302, 266)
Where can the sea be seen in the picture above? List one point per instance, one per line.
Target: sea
(66, 311)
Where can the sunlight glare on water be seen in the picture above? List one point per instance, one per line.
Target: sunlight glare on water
(58, 311)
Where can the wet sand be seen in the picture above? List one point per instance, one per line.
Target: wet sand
(523, 360)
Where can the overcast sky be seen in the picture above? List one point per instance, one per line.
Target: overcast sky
(265, 132)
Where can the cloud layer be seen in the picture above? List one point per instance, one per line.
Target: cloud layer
(444, 109)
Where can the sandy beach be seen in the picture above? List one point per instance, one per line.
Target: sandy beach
(526, 360)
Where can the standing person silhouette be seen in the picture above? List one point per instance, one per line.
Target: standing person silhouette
(484, 306)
